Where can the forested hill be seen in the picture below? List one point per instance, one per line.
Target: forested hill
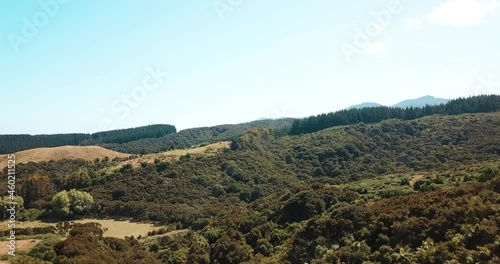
(159, 138)
(14, 143)
(476, 104)
(199, 136)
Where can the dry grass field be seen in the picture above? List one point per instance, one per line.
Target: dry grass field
(118, 229)
(21, 245)
(91, 153)
(174, 155)
(65, 152)
(121, 229)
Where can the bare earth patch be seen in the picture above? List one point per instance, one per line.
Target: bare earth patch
(21, 245)
(415, 179)
(66, 152)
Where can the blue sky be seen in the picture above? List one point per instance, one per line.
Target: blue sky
(83, 66)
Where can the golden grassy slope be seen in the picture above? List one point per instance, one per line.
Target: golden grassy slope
(94, 152)
(65, 152)
(174, 155)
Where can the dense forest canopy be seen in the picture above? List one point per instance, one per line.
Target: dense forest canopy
(14, 143)
(127, 135)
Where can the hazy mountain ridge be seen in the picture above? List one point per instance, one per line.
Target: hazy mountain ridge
(421, 101)
(364, 105)
(417, 102)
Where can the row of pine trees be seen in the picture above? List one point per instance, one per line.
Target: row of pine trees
(475, 104)
(14, 143)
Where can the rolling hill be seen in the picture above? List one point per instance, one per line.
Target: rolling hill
(364, 105)
(195, 137)
(421, 102)
(174, 155)
(89, 153)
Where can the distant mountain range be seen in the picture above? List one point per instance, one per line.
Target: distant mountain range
(364, 105)
(418, 102)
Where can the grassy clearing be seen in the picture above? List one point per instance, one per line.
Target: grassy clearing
(118, 229)
(121, 229)
(175, 155)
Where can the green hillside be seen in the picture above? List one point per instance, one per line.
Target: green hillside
(416, 191)
(198, 136)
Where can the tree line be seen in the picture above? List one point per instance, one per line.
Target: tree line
(475, 104)
(132, 134)
(14, 143)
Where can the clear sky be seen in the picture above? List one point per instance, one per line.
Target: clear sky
(83, 66)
